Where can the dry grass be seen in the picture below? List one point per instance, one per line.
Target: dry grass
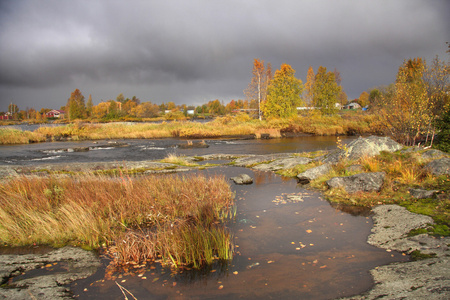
(239, 125)
(91, 211)
(10, 136)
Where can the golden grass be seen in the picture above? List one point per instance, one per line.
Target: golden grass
(91, 211)
(239, 125)
(10, 136)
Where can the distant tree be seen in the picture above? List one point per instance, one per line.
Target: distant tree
(76, 106)
(171, 106)
(374, 96)
(326, 91)
(136, 100)
(13, 108)
(120, 98)
(309, 90)
(216, 107)
(342, 98)
(337, 76)
(257, 88)
(363, 99)
(89, 106)
(283, 96)
(128, 106)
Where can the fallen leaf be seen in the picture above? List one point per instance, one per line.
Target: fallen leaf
(155, 279)
(235, 272)
(220, 287)
(323, 267)
(308, 230)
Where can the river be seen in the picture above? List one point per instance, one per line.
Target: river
(306, 249)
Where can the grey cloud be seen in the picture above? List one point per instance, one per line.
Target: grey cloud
(202, 50)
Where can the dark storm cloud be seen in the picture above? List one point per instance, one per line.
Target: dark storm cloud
(196, 51)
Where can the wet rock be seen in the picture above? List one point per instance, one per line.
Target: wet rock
(313, 173)
(193, 145)
(242, 179)
(361, 147)
(439, 166)
(49, 285)
(422, 194)
(283, 163)
(365, 182)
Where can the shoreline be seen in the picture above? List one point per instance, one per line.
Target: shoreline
(427, 278)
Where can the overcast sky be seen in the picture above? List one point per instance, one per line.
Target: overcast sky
(195, 51)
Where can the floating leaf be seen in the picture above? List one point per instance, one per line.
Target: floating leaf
(155, 279)
(220, 287)
(308, 230)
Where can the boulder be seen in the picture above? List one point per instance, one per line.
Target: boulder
(283, 163)
(422, 194)
(361, 147)
(313, 173)
(192, 145)
(439, 166)
(365, 182)
(433, 153)
(242, 179)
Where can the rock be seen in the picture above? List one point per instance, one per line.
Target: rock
(242, 179)
(49, 285)
(439, 166)
(392, 223)
(283, 163)
(365, 182)
(433, 153)
(313, 173)
(252, 160)
(193, 145)
(361, 147)
(422, 194)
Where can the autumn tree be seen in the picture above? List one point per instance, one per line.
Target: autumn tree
(342, 97)
(408, 113)
(120, 98)
(283, 94)
(309, 90)
(89, 106)
(326, 91)
(363, 99)
(76, 106)
(257, 89)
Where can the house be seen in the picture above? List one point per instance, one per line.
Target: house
(352, 105)
(6, 116)
(55, 113)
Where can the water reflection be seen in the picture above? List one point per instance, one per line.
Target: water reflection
(303, 249)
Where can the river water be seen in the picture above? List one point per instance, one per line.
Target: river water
(306, 249)
(137, 150)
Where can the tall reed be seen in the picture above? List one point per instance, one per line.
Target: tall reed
(91, 211)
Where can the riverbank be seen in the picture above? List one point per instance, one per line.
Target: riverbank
(236, 126)
(393, 224)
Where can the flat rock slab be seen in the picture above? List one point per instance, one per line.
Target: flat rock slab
(283, 163)
(423, 279)
(79, 263)
(250, 161)
(313, 173)
(392, 223)
(365, 182)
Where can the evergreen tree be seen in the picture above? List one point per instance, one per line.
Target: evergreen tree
(76, 106)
